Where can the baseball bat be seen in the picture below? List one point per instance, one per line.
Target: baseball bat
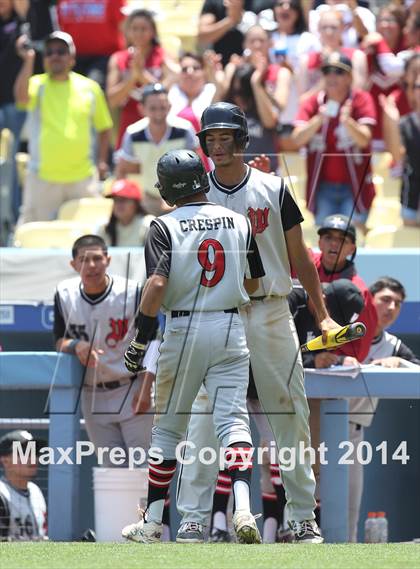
(336, 337)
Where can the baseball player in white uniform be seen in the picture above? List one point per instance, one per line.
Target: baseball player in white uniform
(94, 319)
(271, 336)
(196, 259)
(23, 511)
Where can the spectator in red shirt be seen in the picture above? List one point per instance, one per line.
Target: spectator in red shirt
(385, 68)
(335, 126)
(142, 63)
(331, 29)
(95, 26)
(337, 243)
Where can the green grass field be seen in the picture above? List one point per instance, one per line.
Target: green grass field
(207, 556)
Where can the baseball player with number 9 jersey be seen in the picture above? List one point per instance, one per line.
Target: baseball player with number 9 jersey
(271, 335)
(197, 257)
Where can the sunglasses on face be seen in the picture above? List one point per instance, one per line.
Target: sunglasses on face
(327, 27)
(187, 68)
(61, 51)
(333, 71)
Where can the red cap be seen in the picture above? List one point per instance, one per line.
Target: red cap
(371, 514)
(125, 189)
(380, 514)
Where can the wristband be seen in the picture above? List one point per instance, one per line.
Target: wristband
(146, 328)
(71, 348)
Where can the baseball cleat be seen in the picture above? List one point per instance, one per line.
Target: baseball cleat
(190, 532)
(219, 536)
(306, 531)
(245, 527)
(285, 535)
(142, 531)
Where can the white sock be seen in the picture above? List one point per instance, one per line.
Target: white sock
(270, 530)
(219, 521)
(155, 511)
(241, 493)
(166, 533)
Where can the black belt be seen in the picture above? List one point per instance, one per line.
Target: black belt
(178, 313)
(114, 384)
(258, 297)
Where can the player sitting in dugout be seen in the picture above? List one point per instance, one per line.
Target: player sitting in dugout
(23, 511)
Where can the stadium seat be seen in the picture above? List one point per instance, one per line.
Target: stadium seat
(381, 162)
(56, 234)
(391, 236)
(95, 211)
(310, 235)
(384, 211)
(171, 44)
(292, 163)
(22, 160)
(308, 217)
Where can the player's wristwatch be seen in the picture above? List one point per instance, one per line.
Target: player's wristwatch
(133, 357)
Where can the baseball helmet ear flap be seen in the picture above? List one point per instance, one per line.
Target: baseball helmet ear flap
(224, 116)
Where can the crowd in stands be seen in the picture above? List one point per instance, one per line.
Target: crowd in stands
(334, 81)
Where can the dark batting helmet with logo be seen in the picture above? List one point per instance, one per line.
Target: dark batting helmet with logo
(224, 115)
(181, 173)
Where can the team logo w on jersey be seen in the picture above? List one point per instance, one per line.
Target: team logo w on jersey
(259, 219)
(119, 329)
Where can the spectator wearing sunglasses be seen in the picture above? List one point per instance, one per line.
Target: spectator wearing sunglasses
(331, 29)
(69, 123)
(335, 126)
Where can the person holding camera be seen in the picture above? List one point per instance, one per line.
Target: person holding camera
(335, 125)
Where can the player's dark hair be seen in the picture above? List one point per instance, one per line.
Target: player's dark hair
(146, 15)
(388, 282)
(88, 241)
(111, 226)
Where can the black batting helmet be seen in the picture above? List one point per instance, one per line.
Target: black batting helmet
(181, 173)
(224, 115)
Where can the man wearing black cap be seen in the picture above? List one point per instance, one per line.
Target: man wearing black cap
(23, 512)
(337, 243)
(335, 126)
(69, 123)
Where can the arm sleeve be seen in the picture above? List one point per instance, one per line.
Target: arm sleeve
(290, 212)
(363, 110)
(59, 329)
(4, 519)
(306, 110)
(405, 353)
(157, 250)
(126, 151)
(101, 117)
(255, 265)
(191, 140)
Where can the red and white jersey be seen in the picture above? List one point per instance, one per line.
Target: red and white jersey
(24, 512)
(107, 322)
(261, 198)
(205, 252)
